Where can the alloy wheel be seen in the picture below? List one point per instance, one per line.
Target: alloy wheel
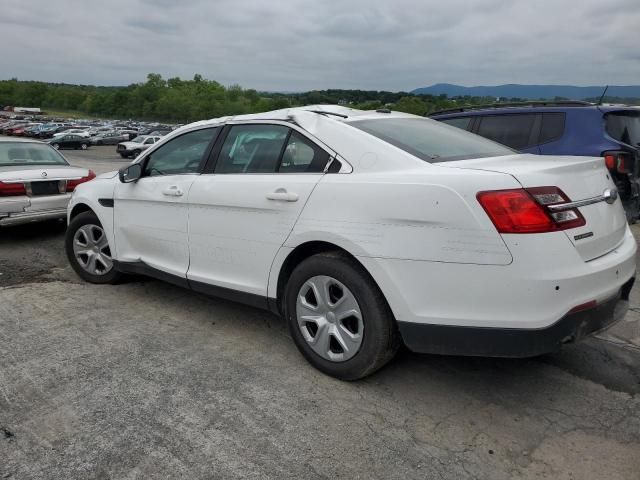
(91, 249)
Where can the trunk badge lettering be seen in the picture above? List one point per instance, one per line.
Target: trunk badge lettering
(44, 174)
(610, 195)
(582, 236)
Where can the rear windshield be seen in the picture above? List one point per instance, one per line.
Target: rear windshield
(19, 153)
(624, 127)
(431, 141)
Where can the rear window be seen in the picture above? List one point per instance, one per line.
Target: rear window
(430, 140)
(23, 153)
(624, 127)
(511, 130)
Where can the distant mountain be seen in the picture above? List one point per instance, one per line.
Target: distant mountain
(530, 92)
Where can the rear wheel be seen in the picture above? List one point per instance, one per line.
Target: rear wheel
(338, 317)
(56, 146)
(88, 250)
(84, 146)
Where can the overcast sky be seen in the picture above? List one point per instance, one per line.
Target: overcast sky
(316, 44)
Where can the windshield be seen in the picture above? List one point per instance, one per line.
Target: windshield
(624, 126)
(139, 139)
(431, 141)
(18, 153)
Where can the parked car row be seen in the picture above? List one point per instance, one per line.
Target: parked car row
(43, 129)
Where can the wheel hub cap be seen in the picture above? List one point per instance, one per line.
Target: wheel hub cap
(329, 318)
(91, 249)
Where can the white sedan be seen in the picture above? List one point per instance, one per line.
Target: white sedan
(35, 182)
(366, 230)
(82, 132)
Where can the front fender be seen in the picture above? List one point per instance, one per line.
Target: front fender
(89, 194)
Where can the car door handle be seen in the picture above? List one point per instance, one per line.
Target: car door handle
(282, 195)
(172, 191)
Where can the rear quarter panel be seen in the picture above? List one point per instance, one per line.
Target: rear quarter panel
(428, 214)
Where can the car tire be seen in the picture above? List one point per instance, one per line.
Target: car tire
(84, 146)
(86, 231)
(372, 335)
(124, 155)
(135, 153)
(56, 146)
(99, 142)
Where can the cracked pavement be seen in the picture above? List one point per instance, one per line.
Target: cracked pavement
(146, 380)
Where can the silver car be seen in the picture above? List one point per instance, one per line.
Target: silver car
(36, 181)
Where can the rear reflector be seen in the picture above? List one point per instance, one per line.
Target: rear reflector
(72, 184)
(12, 189)
(584, 306)
(525, 210)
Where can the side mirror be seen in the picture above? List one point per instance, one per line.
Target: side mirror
(130, 173)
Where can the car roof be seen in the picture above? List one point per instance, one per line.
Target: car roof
(528, 108)
(334, 112)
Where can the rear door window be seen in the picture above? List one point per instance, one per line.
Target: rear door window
(302, 156)
(511, 130)
(461, 122)
(252, 149)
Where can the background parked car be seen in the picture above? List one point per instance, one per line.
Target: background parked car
(35, 182)
(565, 128)
(136, 146)
(109, 138)
(70, 140)
(75, 130)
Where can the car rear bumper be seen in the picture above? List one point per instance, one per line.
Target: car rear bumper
(34, 216)
(545, 281)
(516, 342)
(23, 209)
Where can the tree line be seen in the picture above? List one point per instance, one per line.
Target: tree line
(178, 100)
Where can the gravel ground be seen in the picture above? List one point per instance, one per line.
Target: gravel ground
(146, 380)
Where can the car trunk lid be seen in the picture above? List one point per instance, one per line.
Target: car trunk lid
(580, 178)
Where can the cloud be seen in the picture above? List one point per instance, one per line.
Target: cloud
(307, 44)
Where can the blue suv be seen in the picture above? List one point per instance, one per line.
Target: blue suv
(564, 128)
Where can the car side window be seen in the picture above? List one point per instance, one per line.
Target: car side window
(462, 122)
(180, 155)
(511, 130)
(148, 141)
(302, 156)
(552, 127)
(252, 149)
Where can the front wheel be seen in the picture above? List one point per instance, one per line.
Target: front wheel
(88, 250)
(56, 146)
(338, 318)
(84, 146)
(136, 153)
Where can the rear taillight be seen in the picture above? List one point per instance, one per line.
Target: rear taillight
(12, 189)
(620, 162)
(527, 210)
(72, 184)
